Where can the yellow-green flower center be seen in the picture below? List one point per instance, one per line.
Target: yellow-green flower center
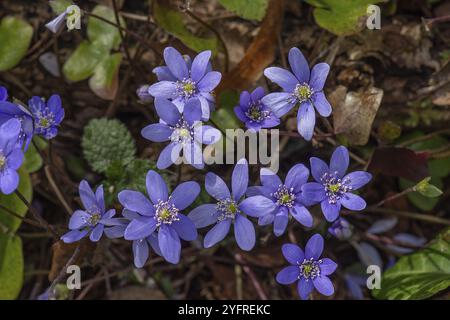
(334, 187)
(2, 161)
(166, 213)
(303, 92)
(285, 196)
(310, 269)
(227, 209)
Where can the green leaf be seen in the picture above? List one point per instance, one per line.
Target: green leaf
(104, 83)
(419, 275)
(83, 61)
(341, 17)
(33, 160)
(248, 9)
(15, 38)
(13, 203)
(105, 34)
(428, 190)
(11, 266)
(59, 6)
(106, 141)
(172, 21)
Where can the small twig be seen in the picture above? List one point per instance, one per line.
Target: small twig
(56, 189)
(395, 196)
(252, 277)
(16, 215)
(423, 138)
(412, 215)
(428, 22)
(61, 274)
(122, 38)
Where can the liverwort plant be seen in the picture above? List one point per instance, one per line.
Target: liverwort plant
(184, 131)
(47, 115)
(230, 209)
(160, 214)
(307, 268)
(180, 80)
(93, 219)
(333, 188)
(11, 156)
(303, 87)
(253, 113)
(286, 197)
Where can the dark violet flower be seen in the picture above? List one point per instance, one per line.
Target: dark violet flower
(307, 268)
(182, 80)
(184, 131)
(253, 112)
(229, 209)
(47, 115)
(160, 215)
(302, 87)
(140, 247)
(9, 110)
(11, 156)
(287, 198)
(341, 229)
(333, 188)
(93, 219)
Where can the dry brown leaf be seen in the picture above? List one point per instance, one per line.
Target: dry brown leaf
(62, 253)
(354, 112)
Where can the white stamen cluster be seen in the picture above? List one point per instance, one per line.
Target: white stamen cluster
(94, 216)
(166, 213)
(285, 196)
(44, 121)
(182, 132)
(335, 187)
(186, 88)
(256, 114)
(309, 269)
(301, 93)
(227, 209)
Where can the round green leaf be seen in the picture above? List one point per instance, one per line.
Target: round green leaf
(248, 9)
(11, 266)
(104, 33)
(104, 82)
(15, 38)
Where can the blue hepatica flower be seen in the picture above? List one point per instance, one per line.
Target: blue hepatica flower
(184, 131)
(253, 112)
(341, 229)
(11, 156)
(229, 209)
(333, 188)
(140, 247)
(182, 80)
(307, 268)
(286, 197)
(160, 215)
(302, 87)
(9, 110)
(93, 219)
(47, 115)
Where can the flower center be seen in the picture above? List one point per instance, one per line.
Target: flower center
(309, 269)
(227, 209)
(256, 114)
(94, 216)
(182, 132)
(186, 88)
(166, 213)
(44, 121)
(285, 196)
(2, 161)
(303, 92)
(334, 186)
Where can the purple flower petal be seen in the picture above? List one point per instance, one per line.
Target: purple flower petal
(358, 179)
(217, 233)
(296, 177)
(140, 252)
(163, 89)
(257, 206)
(207, 134)
(239, 179)
(185, 228)
(74, 235)
(304, 288)
(156, 187)
(302, 215)
(353, 202)
(169, 243)
(140, 228)
(306, 120)
(257, 94)
(318, 168)
(15, 159)
(184, 194)
(193, 154)
(339, 161)
(288, 275)
(240, 114)
(96, 233)
(324, 285)
(192, 111)
(244, 232)
(115, 232)
(199, 65)
(327, 267)
(321, 104)
(285, 79)
(278, 102)
(280, 222)
(9, 181)
(167, 111)
(293, 253)
(157, 132)
(204, 215)
(330, 210)
(245, 100)
(137, 202)
(163, 74)
(100, 198)
(87, 196)
(269, 179)
(210, 81)
(319, 75)
(57, 23)
(79, 219)
(169, 155)
(313, 192)
(266, 220)
(205, 106)
(153, 241)
(216, 187)
(299, 65)
(175, 62)
(314, 247)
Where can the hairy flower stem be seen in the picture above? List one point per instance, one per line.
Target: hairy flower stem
(37, 216)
